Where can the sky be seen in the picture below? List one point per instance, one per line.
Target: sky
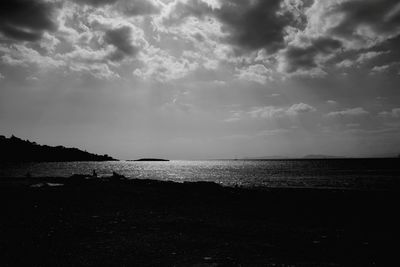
(204, 78)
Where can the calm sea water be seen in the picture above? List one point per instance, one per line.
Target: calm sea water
(333, 173)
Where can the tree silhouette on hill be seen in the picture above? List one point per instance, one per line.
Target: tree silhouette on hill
(14, 149)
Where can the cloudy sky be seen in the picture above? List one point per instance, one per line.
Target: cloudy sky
(203, 78)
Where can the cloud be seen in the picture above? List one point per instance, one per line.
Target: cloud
(267, 112)
(138, 7)
(242, 21)
(276, 112)
(26, 20)
(308, 73)
(20, 55)
(360, 59)
(87, 40)
(302, 36)
(97, 70)
(1, 76)
(394, 113)
(369, 55)
(253, 40)
(126, 7)
(256, 73)
(96, 2)
(32, 78)
(121, 39)
(300, 108)
(331, 102)
(345, 63)
(162, 67)
(379, 69)
(352, 112)
(344, 34)
(366, 30)
(307, 57)
(378, 17)
(85, 55)
(358, 24)
(296, 38)
(235, 116)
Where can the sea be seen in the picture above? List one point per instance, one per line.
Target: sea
(360, 174)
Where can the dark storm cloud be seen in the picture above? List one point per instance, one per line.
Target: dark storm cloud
(26, 20)
(380, 15)
(374, 24)
(255, 26)
(392, 45)
(121, 39)
(305, 57)
(250, 25)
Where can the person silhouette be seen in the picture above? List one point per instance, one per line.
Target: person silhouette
(94, 173)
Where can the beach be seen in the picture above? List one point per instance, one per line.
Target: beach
(97, 222)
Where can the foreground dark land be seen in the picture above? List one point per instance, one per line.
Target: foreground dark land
(150, 223)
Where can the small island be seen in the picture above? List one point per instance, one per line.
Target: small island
(15, 149)
(150, 159)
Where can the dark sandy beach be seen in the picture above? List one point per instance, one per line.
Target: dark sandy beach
(151, 223)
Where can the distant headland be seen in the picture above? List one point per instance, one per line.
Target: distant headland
(318, 156)
(15, 149)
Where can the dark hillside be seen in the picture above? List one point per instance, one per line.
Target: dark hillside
(15, 149)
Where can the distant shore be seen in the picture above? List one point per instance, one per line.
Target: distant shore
(116, 222)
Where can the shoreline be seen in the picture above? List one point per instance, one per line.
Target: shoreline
(159, 223)
(30, 181)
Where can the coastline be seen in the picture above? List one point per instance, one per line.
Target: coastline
(155, 223)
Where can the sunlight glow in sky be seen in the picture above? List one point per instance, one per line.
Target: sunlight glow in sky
(203, 78)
